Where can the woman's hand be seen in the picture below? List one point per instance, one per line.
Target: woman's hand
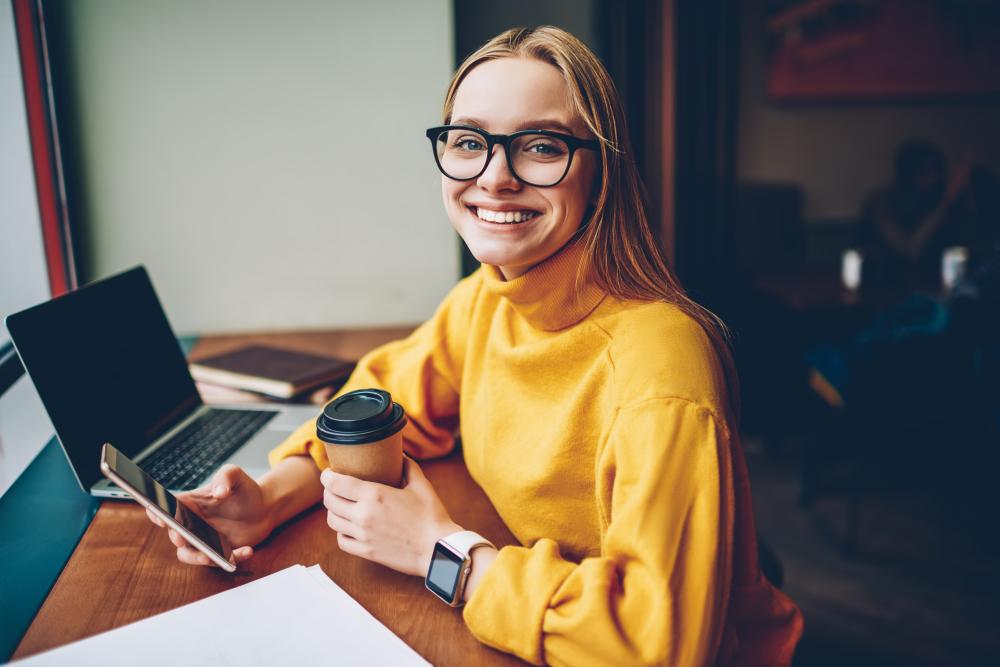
(395, 527)
(235, 505)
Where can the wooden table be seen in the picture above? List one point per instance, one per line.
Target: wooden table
(124, 569)
(809, 291)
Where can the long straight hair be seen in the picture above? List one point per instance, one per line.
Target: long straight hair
(622, 255)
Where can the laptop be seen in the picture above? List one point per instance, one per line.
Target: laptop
(108, 368)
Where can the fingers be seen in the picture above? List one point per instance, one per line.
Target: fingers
(155, 519)
(176, 538)
(341, 515)
(342, 526)
(413, 475)
(339, 506)
(191, 556)
(352, 546)
(185, 553)
(226, 480)
(242, 554)
(414, 479)
(349, 487)
(223, 484)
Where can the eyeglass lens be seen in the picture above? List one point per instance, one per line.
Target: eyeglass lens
(537, 159)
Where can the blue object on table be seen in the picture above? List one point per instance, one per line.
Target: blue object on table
(843, 364)
(43, 515)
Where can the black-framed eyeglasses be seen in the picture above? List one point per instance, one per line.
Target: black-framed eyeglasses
(536, 157)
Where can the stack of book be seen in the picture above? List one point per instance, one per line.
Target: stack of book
(261, 372)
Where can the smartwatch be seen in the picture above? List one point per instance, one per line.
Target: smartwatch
(451, 564)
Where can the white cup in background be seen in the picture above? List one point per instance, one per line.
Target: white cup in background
(850, 269)
(953, 263)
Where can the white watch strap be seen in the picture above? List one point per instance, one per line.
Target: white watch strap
(465, 541)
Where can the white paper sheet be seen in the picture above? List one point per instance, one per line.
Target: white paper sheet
(297, 616)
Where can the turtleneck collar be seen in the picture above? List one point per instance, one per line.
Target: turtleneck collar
(547, 295)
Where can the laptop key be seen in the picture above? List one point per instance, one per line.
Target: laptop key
(201, 446)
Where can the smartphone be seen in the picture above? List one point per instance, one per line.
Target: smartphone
(154, 496)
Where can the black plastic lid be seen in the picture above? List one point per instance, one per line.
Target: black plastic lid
(360, 417)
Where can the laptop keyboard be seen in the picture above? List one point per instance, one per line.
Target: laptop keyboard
(185, 459)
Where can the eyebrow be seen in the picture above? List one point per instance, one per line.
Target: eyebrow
(527, 125)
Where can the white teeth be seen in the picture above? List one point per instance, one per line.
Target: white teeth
(505, 217)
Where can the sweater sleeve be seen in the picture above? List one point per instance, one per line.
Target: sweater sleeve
(657, 592)
(422, 372)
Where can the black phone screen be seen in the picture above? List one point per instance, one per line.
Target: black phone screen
(166, 501)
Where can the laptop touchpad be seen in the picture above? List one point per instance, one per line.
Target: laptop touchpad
(252, 457)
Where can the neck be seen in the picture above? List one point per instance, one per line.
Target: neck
(512, 272)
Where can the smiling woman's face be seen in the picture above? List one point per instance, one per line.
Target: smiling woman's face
(504, 96)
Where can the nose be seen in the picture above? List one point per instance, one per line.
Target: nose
(498, 177)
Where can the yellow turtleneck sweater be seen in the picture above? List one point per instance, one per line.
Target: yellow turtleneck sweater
(597, 428)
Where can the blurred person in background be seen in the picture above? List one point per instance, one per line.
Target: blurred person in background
(905, 226)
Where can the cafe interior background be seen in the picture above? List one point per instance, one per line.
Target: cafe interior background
(266, 162)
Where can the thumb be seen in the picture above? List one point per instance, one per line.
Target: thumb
(414, 476)
(226, 480)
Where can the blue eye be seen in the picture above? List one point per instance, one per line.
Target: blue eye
(469, 144)
(545, 148)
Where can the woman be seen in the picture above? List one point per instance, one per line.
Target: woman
(595, 399)
(905, 227)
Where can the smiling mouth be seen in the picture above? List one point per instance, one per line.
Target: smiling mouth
(503, 217)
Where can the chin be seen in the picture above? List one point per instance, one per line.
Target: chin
(490, 254)
(517, 249)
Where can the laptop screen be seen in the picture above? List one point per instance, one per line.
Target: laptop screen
(107, 367)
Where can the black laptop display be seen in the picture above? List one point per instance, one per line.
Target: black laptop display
(130, 381)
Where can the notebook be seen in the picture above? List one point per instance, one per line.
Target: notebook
(271, 370)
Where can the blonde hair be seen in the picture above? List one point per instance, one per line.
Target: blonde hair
(622, 254)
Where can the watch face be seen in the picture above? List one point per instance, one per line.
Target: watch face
(443, 575)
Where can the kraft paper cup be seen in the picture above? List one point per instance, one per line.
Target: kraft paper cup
(363, 434)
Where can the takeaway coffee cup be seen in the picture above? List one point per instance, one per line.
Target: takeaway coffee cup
(363, 434)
